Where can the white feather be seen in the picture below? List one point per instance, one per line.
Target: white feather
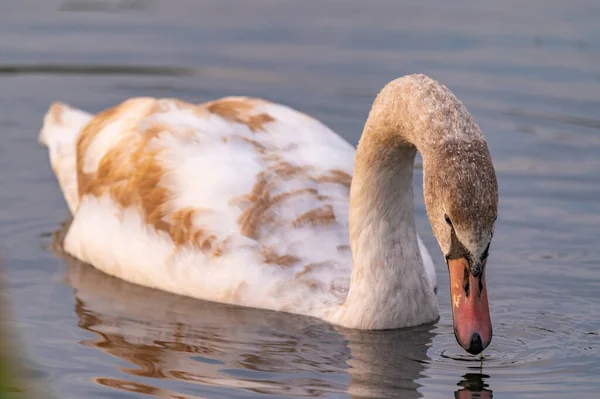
(211, 164)
(62, 125)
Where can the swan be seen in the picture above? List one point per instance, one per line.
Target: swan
(251, 203)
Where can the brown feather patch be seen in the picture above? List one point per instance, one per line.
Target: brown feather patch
(270, 256)
(260, 201)
(131, 174)
(316, 217)
(310, 268)
(336, 176)
(240, 110)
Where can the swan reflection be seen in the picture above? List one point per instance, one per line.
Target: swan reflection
(473, 386)
(185, 347)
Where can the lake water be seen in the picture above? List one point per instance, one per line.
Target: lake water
(529, 74)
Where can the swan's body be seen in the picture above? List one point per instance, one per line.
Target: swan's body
(245, 202)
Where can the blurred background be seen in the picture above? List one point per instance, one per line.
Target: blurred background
(528, 71)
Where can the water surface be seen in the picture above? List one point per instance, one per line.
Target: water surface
(531, 77)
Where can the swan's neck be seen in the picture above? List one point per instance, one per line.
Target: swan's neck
(389, 287)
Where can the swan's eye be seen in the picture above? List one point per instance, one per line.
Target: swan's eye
(447, 218)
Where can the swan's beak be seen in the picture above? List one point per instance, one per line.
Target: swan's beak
(470, 311)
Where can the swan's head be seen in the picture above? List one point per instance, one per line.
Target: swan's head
(461, 195)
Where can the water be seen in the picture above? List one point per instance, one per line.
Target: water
(529, 74)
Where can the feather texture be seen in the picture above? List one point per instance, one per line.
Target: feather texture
(238, 200)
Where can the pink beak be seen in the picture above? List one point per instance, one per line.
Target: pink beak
(470, 310)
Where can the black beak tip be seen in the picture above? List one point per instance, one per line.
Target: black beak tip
(475, 345)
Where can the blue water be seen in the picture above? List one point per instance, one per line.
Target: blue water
(530, 74)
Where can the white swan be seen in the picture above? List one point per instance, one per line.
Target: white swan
(251, 203)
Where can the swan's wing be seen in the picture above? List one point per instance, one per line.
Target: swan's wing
(238, 200)
(428, 263)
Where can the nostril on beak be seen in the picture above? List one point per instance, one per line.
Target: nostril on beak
(475, 345)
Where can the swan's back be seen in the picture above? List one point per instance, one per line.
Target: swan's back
(238, 200)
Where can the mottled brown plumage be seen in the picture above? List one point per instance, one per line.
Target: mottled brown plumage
(249, 202)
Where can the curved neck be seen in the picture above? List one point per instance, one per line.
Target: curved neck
(389, 286)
